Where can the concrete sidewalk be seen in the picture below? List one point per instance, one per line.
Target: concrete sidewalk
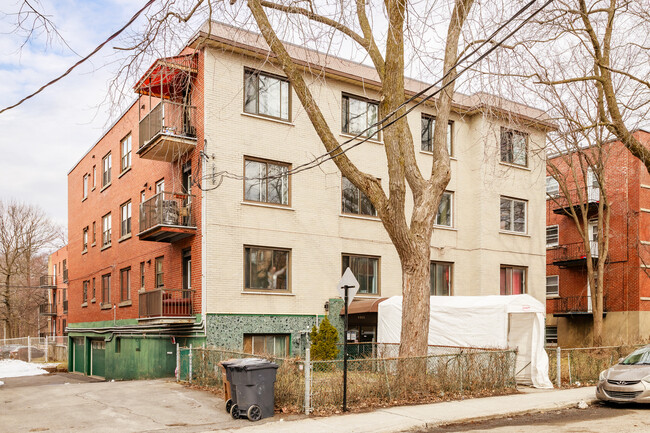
(404, 418)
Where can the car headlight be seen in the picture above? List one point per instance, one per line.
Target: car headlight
(646, 379)
(603, 375)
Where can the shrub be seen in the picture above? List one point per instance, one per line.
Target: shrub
(323, 341)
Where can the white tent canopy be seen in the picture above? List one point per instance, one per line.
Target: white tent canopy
(515, 322)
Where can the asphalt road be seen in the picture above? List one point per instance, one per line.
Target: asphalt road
(598, 418)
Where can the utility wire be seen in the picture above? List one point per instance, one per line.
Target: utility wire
(381, 124)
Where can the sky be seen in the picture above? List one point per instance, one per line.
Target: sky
(42, 139)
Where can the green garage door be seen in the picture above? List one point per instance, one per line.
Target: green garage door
(98, 358)
(78, 355)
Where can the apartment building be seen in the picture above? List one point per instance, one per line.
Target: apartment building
(233, 252)
(626, 285)
(53, 315)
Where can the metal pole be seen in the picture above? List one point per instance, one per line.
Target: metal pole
(345, 353)
(29, 349)
(190, 366)
(307, 381)
(178, 362)
(558, 373)
(47, 350)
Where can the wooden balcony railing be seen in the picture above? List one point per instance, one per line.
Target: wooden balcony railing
(166, 303)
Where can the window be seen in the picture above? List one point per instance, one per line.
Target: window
(142, 197)
(265, 94)
(106, 230)
(552, 285)
(106, 289)
(106, 170)
(358, 115)
(141, 275)
(266, 182)
(273, 344)
(93, 290)
(160, 186)
(266, 268)
(94, 176)
(552, 236)
(440, 278)
(125, 284)
(513, 215)
(84, 295)
(445, 214)
(552, 187)
(94, 233)
(514, 147)
(354, 201)
(159, 272)
(551, 335)
(513, 280)
(85, 240)
(126, 153)
(125, 226)
(428, 125)
(366, 271)
(85, 186)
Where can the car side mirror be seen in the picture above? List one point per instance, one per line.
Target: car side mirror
(621, 360)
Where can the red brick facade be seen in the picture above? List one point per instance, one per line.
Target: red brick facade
(128, 251)
(626, 281)
(57, 266)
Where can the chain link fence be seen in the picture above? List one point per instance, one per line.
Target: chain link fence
(376, 376)
(582, 365)
(35, 349)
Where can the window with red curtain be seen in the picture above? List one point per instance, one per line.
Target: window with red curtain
(513, 280)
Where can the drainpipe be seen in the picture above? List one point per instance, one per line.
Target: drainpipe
(114, 313)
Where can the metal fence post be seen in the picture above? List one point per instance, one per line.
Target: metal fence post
(29, 349)
(558, 372)
(190, 366)
(47, 350)
(178, 362)
(307, 381)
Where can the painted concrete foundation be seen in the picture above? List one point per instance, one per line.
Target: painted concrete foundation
(619, 327)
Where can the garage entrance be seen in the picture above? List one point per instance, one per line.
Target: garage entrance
(78, 355)
(98, 358)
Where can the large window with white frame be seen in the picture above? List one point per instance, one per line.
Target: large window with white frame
(552, 285)
(267, 95)
(426, 141)
(266, 268)
(440, 277)
(357, 116)
(125, 219)
(365, 270)
(513, 215)
(514, 147)
(445, 214)
(552, 236)
(354, 201)
(106, 170)
(266, 181)
(513, 280)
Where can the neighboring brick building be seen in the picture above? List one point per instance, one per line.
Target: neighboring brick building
(626, 285)
(53, 315)
(252, 264)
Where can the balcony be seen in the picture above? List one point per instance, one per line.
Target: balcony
(573, 255)
(574, 306)
(577, 199)
(65, 307)
(166, 217)
(167, 304)
(47, 309)
(48, 281)
(168, 132)
(65, 276)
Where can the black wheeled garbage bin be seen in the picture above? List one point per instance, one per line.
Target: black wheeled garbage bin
(252, 383)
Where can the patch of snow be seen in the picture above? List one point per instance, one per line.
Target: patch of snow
(17, 368)
(1, 383)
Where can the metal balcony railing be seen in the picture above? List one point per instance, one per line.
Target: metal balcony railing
(166, 209)
(48, 281)
(166, 303)
(170, 118)
(576, 197)
(574, 304)
(573, 252)
(47, 309)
